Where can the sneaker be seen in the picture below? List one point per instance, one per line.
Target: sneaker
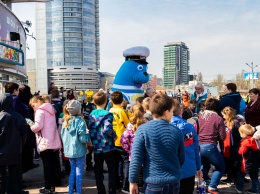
(47, 191)
(125, 191)
(238, 191)
(213, 191)
(251, 191)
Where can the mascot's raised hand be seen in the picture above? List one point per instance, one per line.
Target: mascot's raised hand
(133, 73)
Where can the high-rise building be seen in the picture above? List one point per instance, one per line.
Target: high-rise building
(67, 44)
(176, 64)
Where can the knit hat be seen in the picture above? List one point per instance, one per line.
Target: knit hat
(73, 107)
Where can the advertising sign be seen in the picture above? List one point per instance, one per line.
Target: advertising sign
(249, 76)
(12, 55)
(11, 51)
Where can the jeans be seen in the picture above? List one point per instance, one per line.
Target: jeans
(170, 188)
(210, 155)
(76, 172)
(241, 178)
(99, 159)
(187, 185)
(11, 181)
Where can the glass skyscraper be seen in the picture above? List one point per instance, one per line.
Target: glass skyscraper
(67, 44)
(176, 64)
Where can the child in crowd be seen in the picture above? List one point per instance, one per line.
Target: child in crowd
(74, 137)
(202, 106)
(139, 100)
(231, 144)
(65, 160)
(120, 120)
(148, 115)
(192, 164)
(135, 121)
(189, 111)
(249, 151)
(158, 147)
(102, 136)
(128, 136)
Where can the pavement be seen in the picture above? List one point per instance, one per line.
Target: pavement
(34, 180)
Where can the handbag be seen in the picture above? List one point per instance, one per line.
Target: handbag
(41, 142)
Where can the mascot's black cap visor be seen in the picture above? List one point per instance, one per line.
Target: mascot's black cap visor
(141, 61)
(137, 59)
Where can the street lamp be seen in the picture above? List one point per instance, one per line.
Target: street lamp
(252, 69)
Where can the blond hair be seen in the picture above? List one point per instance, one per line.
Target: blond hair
(230, 114)
(247, 129)
(46, 97)
(137, 116)
(34, 99)
(66, 117)
(146, 103)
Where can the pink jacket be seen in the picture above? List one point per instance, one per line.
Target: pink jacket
(45, 123)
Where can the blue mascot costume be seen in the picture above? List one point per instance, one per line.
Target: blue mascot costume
(133, 73)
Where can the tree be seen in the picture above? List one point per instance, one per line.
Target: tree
(199, 77)
(240, 82)
(218, 81)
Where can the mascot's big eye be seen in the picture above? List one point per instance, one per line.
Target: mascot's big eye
(140, 67)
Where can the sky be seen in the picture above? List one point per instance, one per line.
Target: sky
(221, 35)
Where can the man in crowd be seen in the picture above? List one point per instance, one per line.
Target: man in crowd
(230, 98)
(199, 95)
(150, 92)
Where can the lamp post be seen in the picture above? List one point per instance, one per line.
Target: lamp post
(252, 69)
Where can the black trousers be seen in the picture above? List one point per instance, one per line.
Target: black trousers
(51, 168)
(187, 185)
(109, 158)
(11, 179)
(123, 168)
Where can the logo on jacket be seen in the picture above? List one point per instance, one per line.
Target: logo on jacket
(188, 139)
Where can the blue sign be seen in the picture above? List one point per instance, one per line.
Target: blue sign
(249, 76)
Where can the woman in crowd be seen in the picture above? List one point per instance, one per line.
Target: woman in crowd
(252, 113)
(48, 142)
(212, 130)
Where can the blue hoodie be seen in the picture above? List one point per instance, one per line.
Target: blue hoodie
(232, 99)
(192, 157)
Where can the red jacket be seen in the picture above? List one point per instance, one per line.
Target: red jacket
(249, 151)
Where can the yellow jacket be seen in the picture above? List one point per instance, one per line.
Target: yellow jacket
(120, 120)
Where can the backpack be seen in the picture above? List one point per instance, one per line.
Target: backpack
(195, 122)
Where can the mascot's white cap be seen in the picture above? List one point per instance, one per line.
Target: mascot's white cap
(141, 51)
(137, 53)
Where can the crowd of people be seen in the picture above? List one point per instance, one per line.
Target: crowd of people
(160, 144)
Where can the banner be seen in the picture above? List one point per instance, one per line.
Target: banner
(249, 76)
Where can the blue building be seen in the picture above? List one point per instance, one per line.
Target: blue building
(67, 44)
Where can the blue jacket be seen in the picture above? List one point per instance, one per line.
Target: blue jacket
(242, 108)
(192, 157)
(75, 138)
(158, 147)
(231, 99)
(101, 130)
(201, 98)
